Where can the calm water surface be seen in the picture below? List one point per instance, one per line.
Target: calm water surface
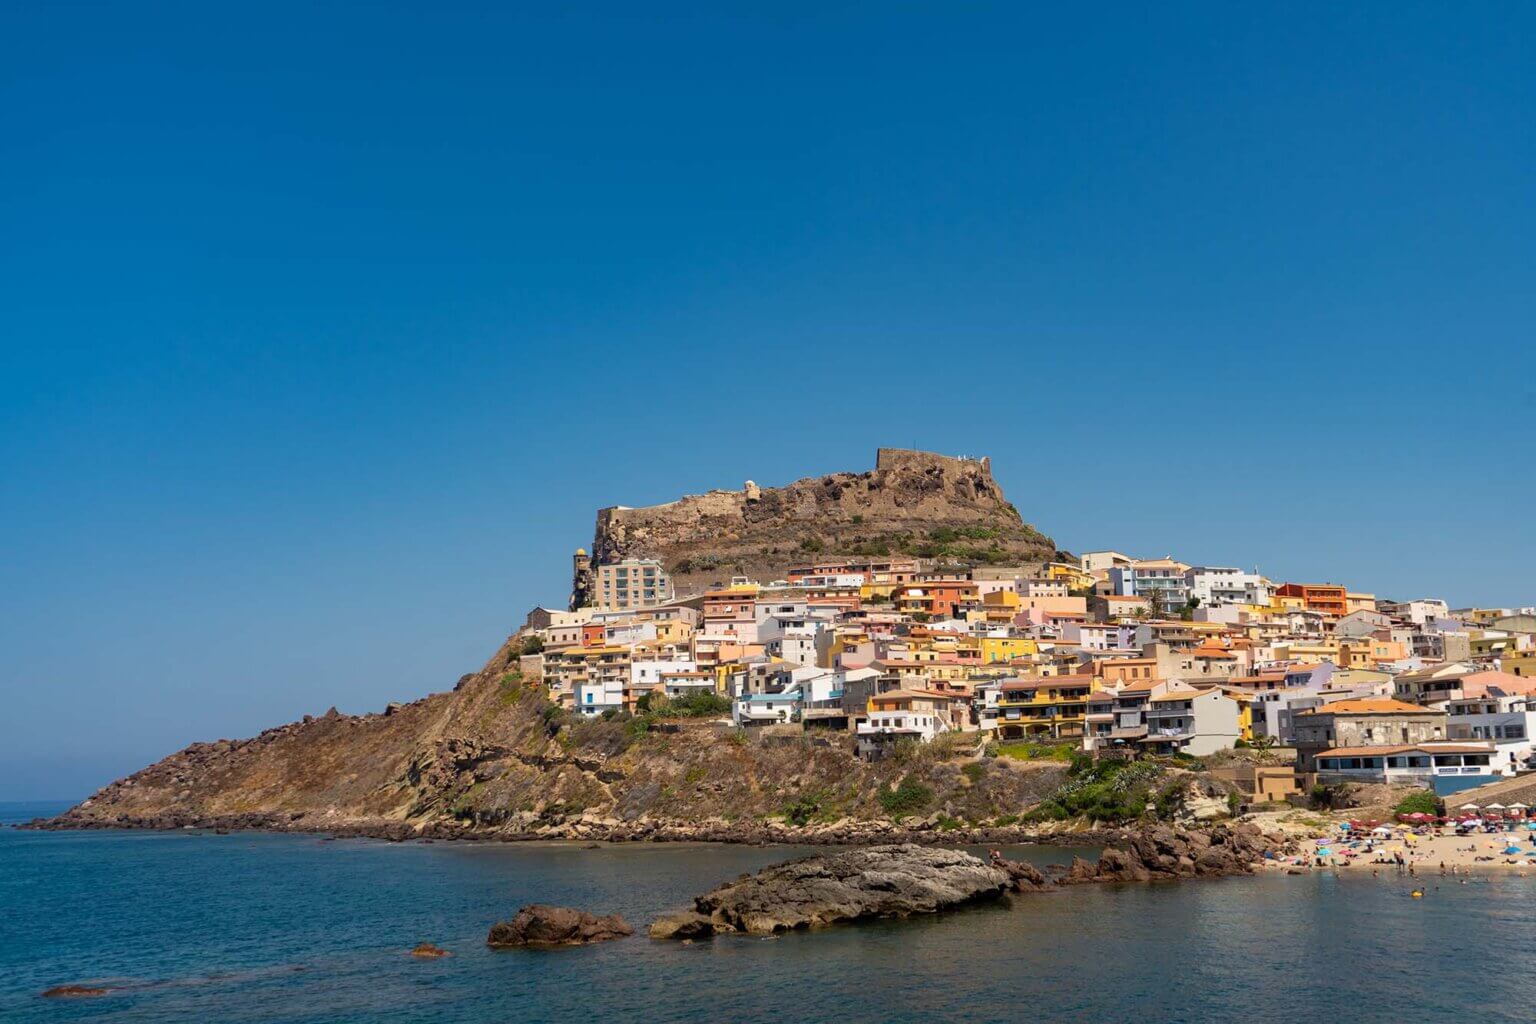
(259, 928)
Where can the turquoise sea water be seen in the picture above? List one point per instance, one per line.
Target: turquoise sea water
(267, 928)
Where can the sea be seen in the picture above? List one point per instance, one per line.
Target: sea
(250, 928)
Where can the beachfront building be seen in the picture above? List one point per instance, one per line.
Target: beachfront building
(1363, 722)
(1505, 720)
(1445, 767)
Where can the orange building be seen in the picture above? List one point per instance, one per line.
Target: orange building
(936, 597)
(1324, 598)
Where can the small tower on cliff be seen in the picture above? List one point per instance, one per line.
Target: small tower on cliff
(581, 579)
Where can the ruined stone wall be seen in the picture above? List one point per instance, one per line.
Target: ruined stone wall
(901, 507)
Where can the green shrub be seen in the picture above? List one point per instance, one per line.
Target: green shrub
(973, 771)
(907, 798)
(1024, 750)
(1422, 802)
(813, 805)
(1105, 790)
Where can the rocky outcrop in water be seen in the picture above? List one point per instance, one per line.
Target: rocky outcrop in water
(1166, 852)
(73, 992)
(897, 881)
(881, 881)
(543, 925)
(427, 951)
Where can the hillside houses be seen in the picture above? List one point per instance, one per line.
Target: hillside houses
(1112, 653)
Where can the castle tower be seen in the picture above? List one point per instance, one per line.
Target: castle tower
(581, 579)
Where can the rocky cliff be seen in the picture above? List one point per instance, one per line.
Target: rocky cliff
(494, 759)
(914, 503)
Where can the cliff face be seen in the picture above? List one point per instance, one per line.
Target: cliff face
(914, 503)
(494, 759)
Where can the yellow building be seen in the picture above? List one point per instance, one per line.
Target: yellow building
(1244, 699)
(1044, 709)
(1074, 576)
(1522, 664)
(1006, 648)
(1493, 644)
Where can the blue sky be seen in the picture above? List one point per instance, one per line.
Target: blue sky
(323, 334)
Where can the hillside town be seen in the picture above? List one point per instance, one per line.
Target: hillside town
(1107, 652)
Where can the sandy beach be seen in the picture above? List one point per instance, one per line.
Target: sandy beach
(1425, 855)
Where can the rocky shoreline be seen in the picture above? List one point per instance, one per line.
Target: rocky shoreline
(591, 828)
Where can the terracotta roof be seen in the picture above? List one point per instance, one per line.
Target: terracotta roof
(907, 694)
(1403, 748)
(1370, 706)
(1173, 695)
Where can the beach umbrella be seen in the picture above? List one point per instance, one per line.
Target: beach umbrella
(1382, 830)
(1493, 807)
(1469, 807)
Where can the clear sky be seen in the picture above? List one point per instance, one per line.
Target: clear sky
(324, 329)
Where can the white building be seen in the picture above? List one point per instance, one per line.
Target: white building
(767, 708)
(1506, 721)
(1099, 636)
(1197, 722)
(1102, 561)
(605, 694)
(1219, 585)
(1408, 764)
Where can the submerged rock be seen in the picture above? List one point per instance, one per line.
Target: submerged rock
(880, 881)
(73, 992)
(427, 950)
(541, 925)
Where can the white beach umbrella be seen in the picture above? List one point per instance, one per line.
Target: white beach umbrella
(1469, 807)
(1517, 805)
(1495, 807)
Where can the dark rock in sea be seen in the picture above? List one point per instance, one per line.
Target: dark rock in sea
(684, 924)
(879, 881)
(73, 992)
(428, 951)
(541, 925)
(1163, 851)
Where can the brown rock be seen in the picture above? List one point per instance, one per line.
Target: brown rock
(851, 885)
(685, 924)
(542, 925)
(428, 951)
(73, 992)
